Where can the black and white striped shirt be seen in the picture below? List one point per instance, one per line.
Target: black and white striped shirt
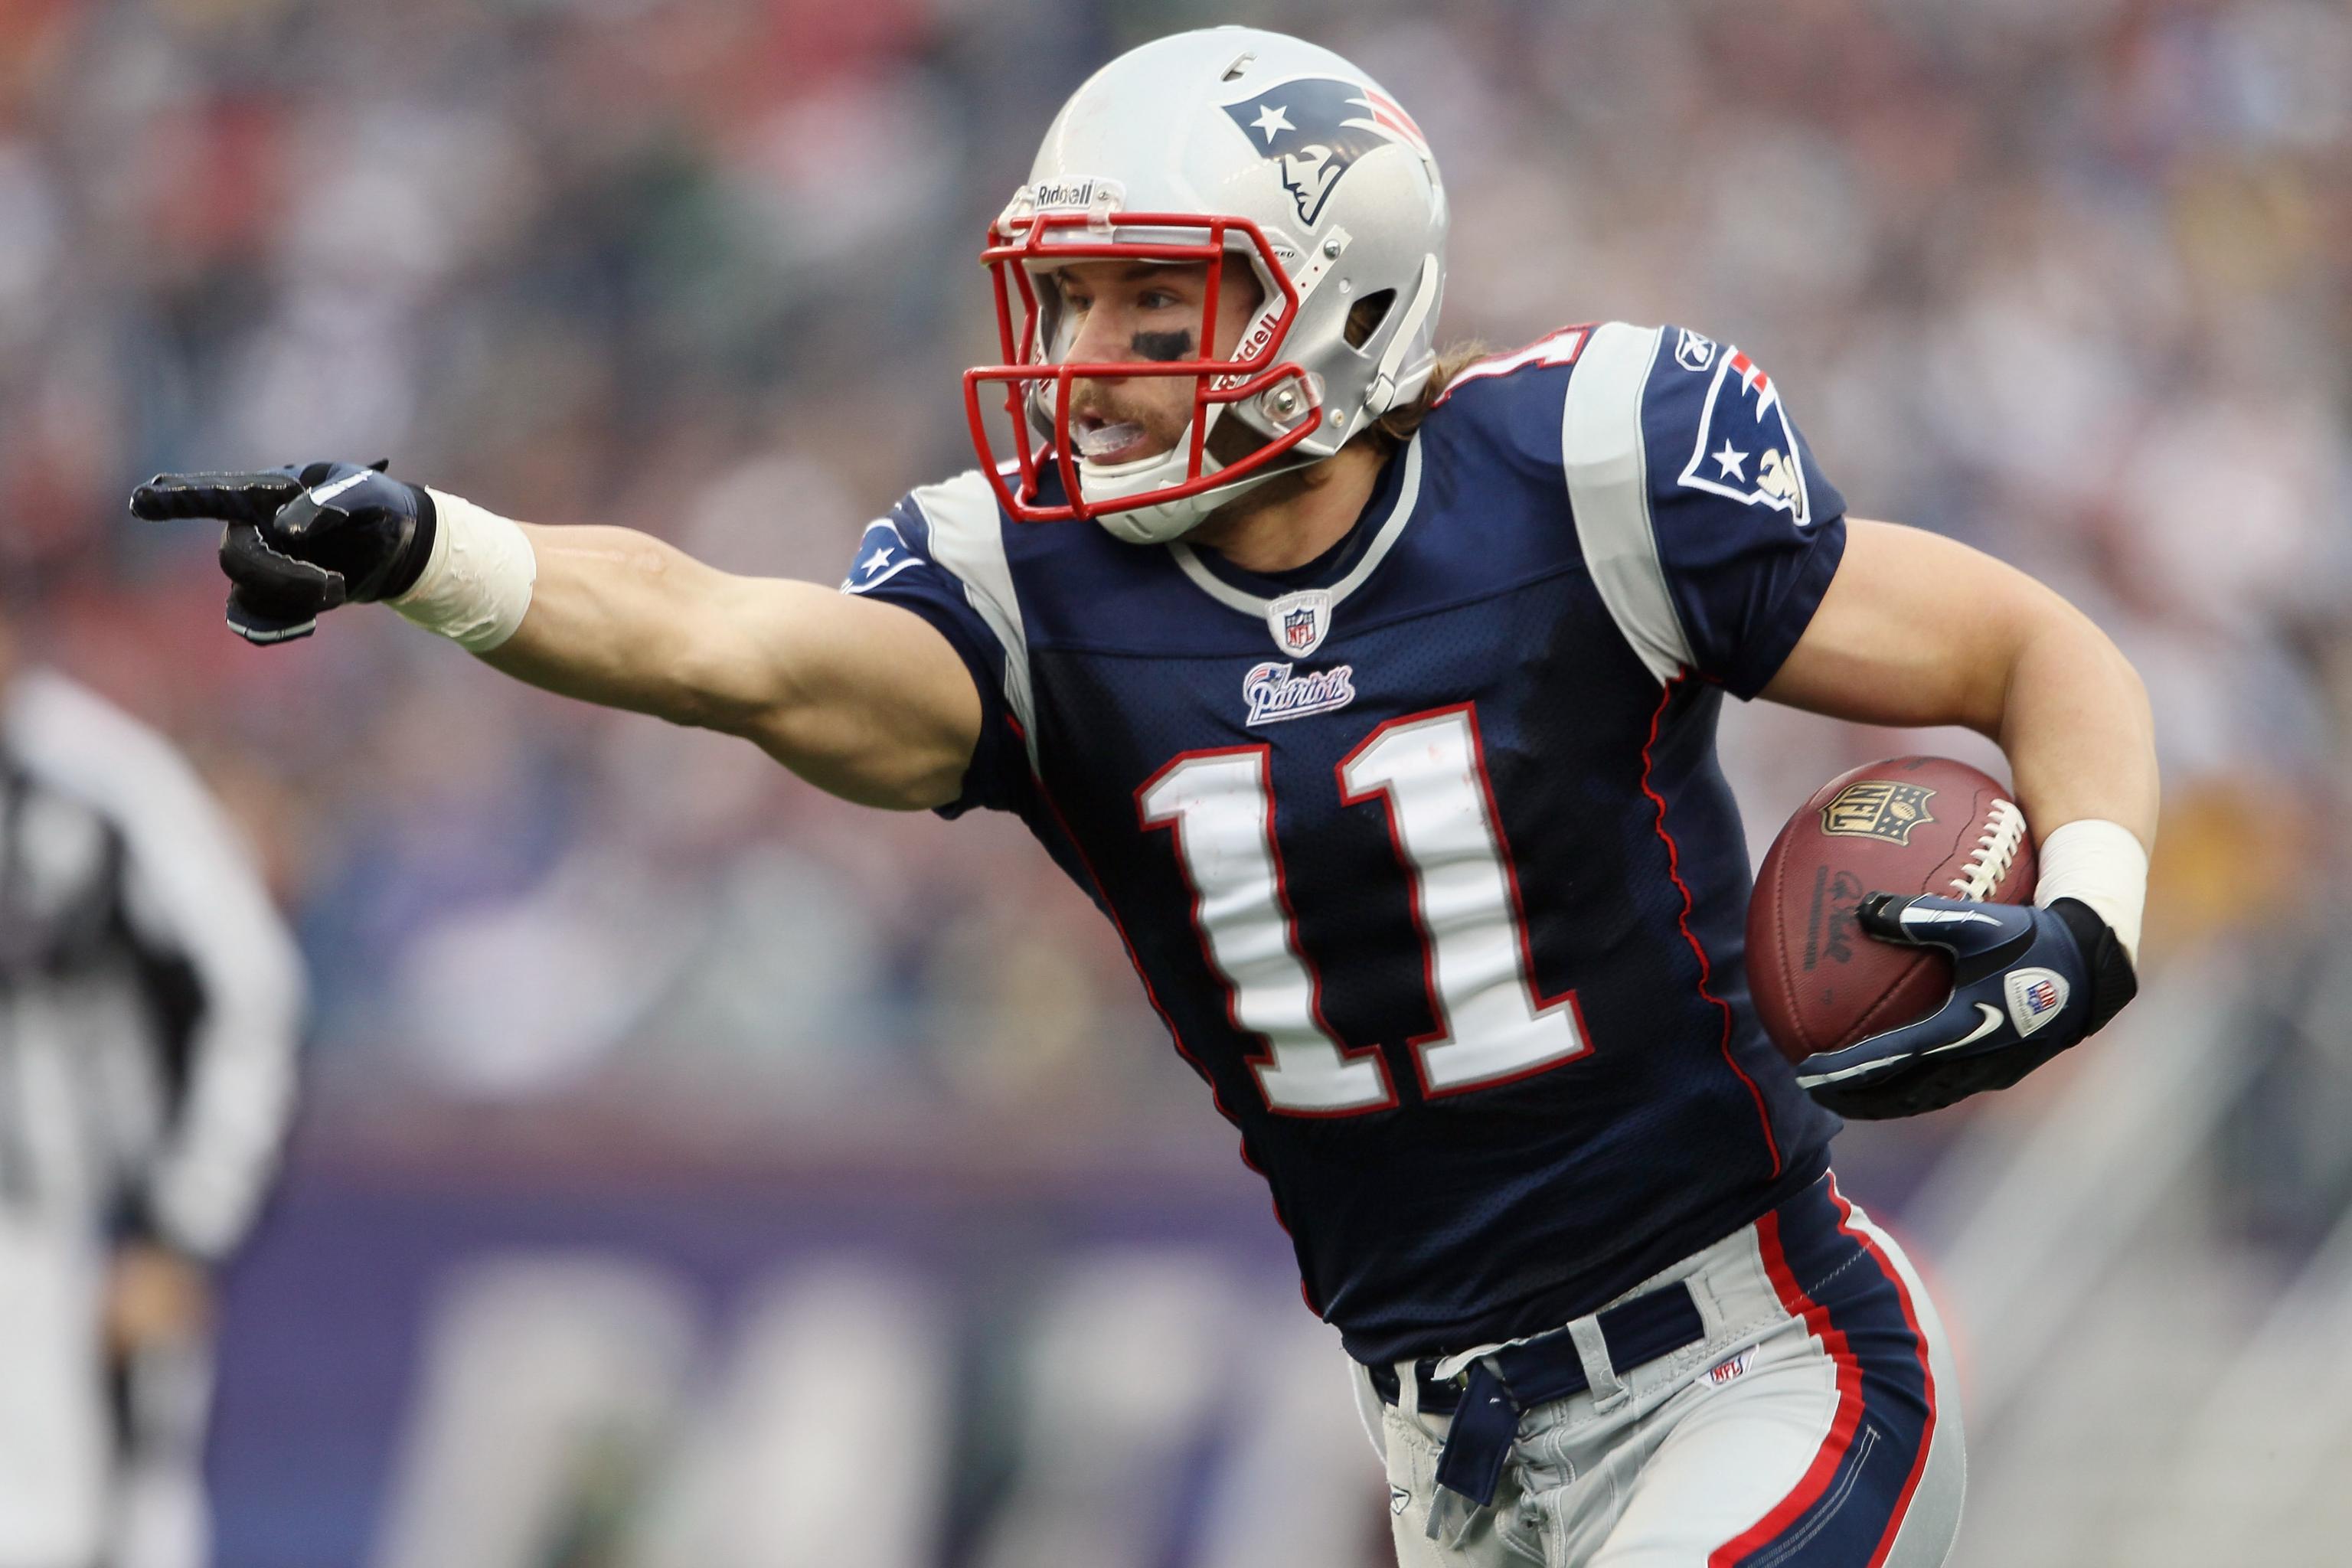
(149, 996)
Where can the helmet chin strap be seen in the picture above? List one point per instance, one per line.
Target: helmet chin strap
(1166, 520)
(1159, 523)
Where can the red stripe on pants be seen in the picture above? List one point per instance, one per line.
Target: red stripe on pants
(1926, 1373)
(1818, 1475)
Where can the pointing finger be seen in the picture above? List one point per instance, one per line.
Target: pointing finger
(228, 498)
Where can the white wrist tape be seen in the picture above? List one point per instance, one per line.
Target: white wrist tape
(476, 583)
(2103, 864)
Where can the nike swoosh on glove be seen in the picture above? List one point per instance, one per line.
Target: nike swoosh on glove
(2027, 984)
(302, 539)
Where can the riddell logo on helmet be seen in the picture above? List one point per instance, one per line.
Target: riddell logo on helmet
(1261, 334)
(1062, 193)
(1316, 128)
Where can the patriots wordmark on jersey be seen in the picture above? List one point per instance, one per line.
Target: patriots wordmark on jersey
(1422, 850)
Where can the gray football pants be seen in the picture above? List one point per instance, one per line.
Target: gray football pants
(1816, 1425)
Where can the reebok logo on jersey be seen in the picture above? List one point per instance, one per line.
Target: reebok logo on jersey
(1399, 1499)
(2036, 997)
(1274, 693)
(1732, 1370)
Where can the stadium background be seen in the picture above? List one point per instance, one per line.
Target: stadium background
(696, 1169)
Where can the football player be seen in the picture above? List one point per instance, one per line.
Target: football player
(1372, 695)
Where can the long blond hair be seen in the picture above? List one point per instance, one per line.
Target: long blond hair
(1399, 424)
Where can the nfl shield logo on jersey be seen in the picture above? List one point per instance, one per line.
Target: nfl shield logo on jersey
(1747, 449)
(1300, 621)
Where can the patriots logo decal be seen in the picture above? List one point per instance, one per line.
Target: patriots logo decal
(881, 555)
(1317, 127)
(1747, 449)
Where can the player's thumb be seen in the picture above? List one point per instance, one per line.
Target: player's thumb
(1962, 926)
(1880, 915)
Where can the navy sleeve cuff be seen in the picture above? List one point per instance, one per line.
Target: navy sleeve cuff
(1762, 660)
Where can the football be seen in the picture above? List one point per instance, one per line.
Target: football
(1908, 825)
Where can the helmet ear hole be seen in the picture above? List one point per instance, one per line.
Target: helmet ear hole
(1365, 316)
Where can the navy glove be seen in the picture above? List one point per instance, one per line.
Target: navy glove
(2027, 984)
(302, 540)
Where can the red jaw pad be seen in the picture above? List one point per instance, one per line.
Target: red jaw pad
(1013, 251)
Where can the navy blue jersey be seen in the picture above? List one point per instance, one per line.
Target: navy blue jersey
(1424, 852)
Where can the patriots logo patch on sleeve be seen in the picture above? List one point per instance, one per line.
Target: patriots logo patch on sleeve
(1746, 448)
(882, 554)
(1316, 128)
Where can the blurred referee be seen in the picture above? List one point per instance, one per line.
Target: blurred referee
(149, 1002)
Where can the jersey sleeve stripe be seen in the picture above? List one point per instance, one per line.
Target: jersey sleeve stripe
(967, 538)
(1609, 492)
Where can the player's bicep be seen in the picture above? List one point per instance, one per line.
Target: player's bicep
(1914, 630)
(939, 556)
(872, 702)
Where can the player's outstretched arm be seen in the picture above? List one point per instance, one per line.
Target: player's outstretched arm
(1915, 630)
(859, 697)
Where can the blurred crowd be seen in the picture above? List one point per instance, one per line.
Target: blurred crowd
(2072, 282)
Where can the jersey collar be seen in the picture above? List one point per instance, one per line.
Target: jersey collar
(1225, 582)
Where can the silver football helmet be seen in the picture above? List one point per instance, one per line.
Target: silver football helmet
(1229, 141)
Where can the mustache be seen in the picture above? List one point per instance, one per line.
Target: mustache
(1090, 402)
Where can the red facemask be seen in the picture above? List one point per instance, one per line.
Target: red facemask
(1051, 237)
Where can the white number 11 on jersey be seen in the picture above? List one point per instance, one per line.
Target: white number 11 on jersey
(1428, 767)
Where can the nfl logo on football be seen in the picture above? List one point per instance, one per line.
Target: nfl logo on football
(1878, 808)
